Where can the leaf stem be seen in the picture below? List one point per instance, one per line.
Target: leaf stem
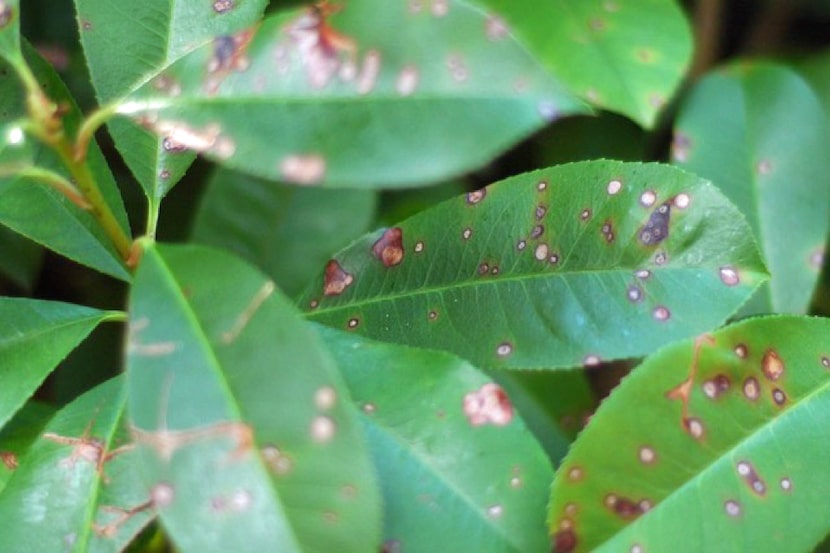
(56, 181)
(91, 124)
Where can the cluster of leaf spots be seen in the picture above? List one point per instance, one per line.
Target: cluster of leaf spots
(537, 254)
(704, 441)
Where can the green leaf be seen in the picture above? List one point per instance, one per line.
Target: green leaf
(50, 502)
(559, 267)
(729, 432)
(30, 207)
(20, 259)
(244, 428)
(18, 434)
(459, 470)
(758, 131)
(148, 36)
(343, 101)
(286, 231)
(35, 335)
(625, 56)
(10, 30)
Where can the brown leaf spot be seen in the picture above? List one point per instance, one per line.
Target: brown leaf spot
(772, 365)
(476, 196)
(716, 386)
(9, 459)
(389, 248)
(752, 389)
(564, 541)
(222, 6)
(336, 279)
(488, 405)
(778, 396)
(750, 476)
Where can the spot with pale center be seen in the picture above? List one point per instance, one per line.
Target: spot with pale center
(407, 80)
(488, 405)
(353, 322)
(729, 276)
(661, 313)
(634, 293)
(389, 247)
(647, 455)
(751, 388)
(495, 511)
(575, 474)
(648, 198)
(419, 247)
(161, 495)
(778, 396)
(614, 187)
(322, 429)
(495, 28)
(276, 460)
(325, 397)
(772, 365)
(222, 6)
(304, 169)
(585, 215)
(825, 362)
(476, 196)
(541, 252)
(541, 186)
(695, 427)
(520, 245)
(537, 231)
(467, 233)
(642, 274)
(786, 484)
(504, 349)
(732, 508)
(682, 201)
(335, 279)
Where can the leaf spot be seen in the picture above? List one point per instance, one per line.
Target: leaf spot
(541, 252)
(495, 28)
(515, 482)
(750, 476)
(661, 313)
(636, 548)
(391, 546)
(591, 360)
(732, 508)
(540, 211)
(162, 495)
(389, 248)
(537, 231)
(634, 293)
(648, 198)
(642, 274)
(764, 167)
(817, 258)
(325, 398)
(542, 186)
(9, 459)
(575, 474)
(336, 279)
(751, 389)
(467, 233)
(322, 429)
(369, 408)
(222, 6)
(825, 362)
(407, 80)
(476, 196)
(680, 147)
(419, 247)
(729, 276)
(715, 387)
(6, 14)
(660, 258)
(694, 427)
(488, 405)
(504, 349)
(303, 169)
(279, 463)
(564, 541)
(520, 245)
(741, 351)
(553, 258)
(786, 484)
(440, 8)
(314, 304)
(239, 500)
(432, 315)
(457, 67)
(353, 323)
(614, 187)
(164, 174)
(585, 215)
(779, 397)
(647, 455)
(607, 231)
(626, 508)
(495, 511)
(772, 365)
(369, 72)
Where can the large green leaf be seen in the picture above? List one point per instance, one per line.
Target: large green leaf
(559, 267)
(33, 209)
(759, 132)
(35, 335)
(627, 56)
(246, 434)
(126, 42)
(286, 231)
(383, 94)
(729, 433)
(460, 472)
(51, 501)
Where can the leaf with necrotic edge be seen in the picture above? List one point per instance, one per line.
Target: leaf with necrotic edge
(308, 97)
(729, 432)
(458, 468)
(554, 268)
(245, 432)
(758, 131)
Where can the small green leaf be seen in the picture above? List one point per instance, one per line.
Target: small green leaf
(627, 56)
(49, 504)
(459, 470)
(10, 30)
(286, 231)
(35, 335)
(728, 432)
(758, 131)
(32, 208)
(20, 259)
(245, 431)
(308, 99)
(150, 35)
(559, 267)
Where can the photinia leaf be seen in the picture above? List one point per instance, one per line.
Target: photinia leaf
(728, 432)
(32, 208)
(341, 100)
(559, 267)
(245, 431)
(147, 36)
(627, 56)
(730, 129)
(459, 470)
(60, 477)
(35, 335)
(287, 231)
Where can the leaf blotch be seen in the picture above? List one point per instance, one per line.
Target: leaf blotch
(656, 228)
(336, 279)
(564, 541)
(488, 405)
(222, 6)
(389, 247)
(772, 365)
(476, 196)
(750, 476)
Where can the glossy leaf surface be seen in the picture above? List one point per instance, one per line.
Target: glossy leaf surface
(150, 35)
(343, 100)
(286, 231)
(554, 268)
(458, 467)
(760, 133)
(60, 477)
(32, 208)
(35, 335)
(627, 56)
(728, 433)
(245, 431)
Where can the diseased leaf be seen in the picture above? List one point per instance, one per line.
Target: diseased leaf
(627, 56)
(728, 432)
(341, 100)
(758, 131)
(51, 498)
(459, 470)
(37, 211)
(554, 268)
(150, 35)
(20, 259)
(18, 434)
(286, 231)
(245, 431)
(35, 335)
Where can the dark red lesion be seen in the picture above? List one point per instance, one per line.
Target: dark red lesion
(336, 279)
(389, 248)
